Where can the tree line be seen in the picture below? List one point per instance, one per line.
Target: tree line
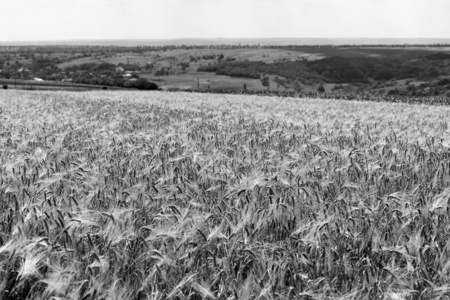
(337, 69)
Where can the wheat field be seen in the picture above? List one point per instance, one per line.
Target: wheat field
(133, 195)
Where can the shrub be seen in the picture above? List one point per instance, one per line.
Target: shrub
(444, 81)
(144, 84)
(5, 86)
(411, 87)
(394, 92)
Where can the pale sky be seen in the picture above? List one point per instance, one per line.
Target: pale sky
(37, 20)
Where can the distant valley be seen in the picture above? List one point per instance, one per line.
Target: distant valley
(385, 66)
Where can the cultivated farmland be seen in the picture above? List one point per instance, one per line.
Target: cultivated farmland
(129, 195)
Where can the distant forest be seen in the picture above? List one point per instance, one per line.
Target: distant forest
(337, 69)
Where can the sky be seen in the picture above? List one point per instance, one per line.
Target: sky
(50, 20)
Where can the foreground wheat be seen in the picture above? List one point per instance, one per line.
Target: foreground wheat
(182, 196)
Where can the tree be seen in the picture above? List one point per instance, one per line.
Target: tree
(297, 86)
(144, 84)
(411, 87)
(321, 89)
(265, 81)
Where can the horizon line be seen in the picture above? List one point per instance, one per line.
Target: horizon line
(221, 38)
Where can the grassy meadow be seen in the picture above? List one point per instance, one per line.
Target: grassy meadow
(134, 195)
(207, 81)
